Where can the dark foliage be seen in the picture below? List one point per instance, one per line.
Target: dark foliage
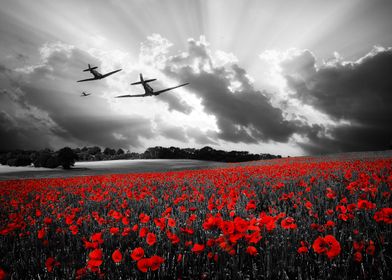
(66, 157)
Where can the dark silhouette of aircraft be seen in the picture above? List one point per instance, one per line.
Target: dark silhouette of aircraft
(97, 75)
(148, 90)
(85, 94)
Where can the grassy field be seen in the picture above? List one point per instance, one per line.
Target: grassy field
(89, 168)
(296, 218)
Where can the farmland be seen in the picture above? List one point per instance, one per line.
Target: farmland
(90, 168)
(300, 218)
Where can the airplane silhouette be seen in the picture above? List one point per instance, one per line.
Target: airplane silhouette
(97, 75)
(85, 94)
(148, 90)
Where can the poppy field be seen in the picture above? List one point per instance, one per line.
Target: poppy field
(295, 218)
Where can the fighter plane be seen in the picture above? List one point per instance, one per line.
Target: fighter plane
(85, 94)
(97, 75)
(148, 90)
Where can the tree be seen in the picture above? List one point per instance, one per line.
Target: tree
(42, 158)
(52, 162)
(120, 151)
(94, 150)
(109, 152)
(66, 157)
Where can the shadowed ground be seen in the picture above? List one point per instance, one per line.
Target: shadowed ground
(107, 167)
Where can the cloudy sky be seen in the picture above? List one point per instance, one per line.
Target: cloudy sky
(283, 77)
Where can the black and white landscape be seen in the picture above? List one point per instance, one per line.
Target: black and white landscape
(280, 77)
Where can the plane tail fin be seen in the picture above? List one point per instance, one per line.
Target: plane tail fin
(90, 68)
(142, 81)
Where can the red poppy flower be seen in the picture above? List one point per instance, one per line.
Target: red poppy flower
(3, 274)
(251, 250)
(50, 263)
(210, 242)
(308, 205)
(240, 224)
(171, 222)
(160, 222)
(151, 239)
(179, 258)
(288, 223)
(254, 237)
(48, 221)
(114, 230)
(251, 205)
(69, 220)
(302, 250)
(144, 218)
(126, 231)
(74, 229)
(358, 246)
(211, 222)
(96, 254)
(198, 248)
(358, 257)
(192, 218)
(235, 237)
(370, 249)
(125, 221)
(95, 258)
(137, 253)
(327, 245)
(41, 233)
(116, 215)
(117, 256)
(329, 224)
(143, 264)
(384, 215)
(143, 232)
(227, 227)
(155, 262)
(173, 237)
(97, 237)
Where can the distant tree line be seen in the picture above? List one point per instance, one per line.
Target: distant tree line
(66, 157)
(206, 153)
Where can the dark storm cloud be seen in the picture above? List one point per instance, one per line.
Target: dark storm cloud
(107, 131)
(176, 104)
(175, 133)
(50, 113)
(359, 92)
(3, 68)
(245, 115)
(202, 138)
(15, 133)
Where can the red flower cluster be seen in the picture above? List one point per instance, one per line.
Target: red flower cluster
(152, 263)
(210, 220)
(327, 245)
(384, 215)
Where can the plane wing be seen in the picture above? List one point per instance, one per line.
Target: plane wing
(128, 95)
(91, 79)
(110, 73)
(167, 89)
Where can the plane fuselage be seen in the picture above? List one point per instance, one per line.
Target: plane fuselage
(148, 89)
(96, 73)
